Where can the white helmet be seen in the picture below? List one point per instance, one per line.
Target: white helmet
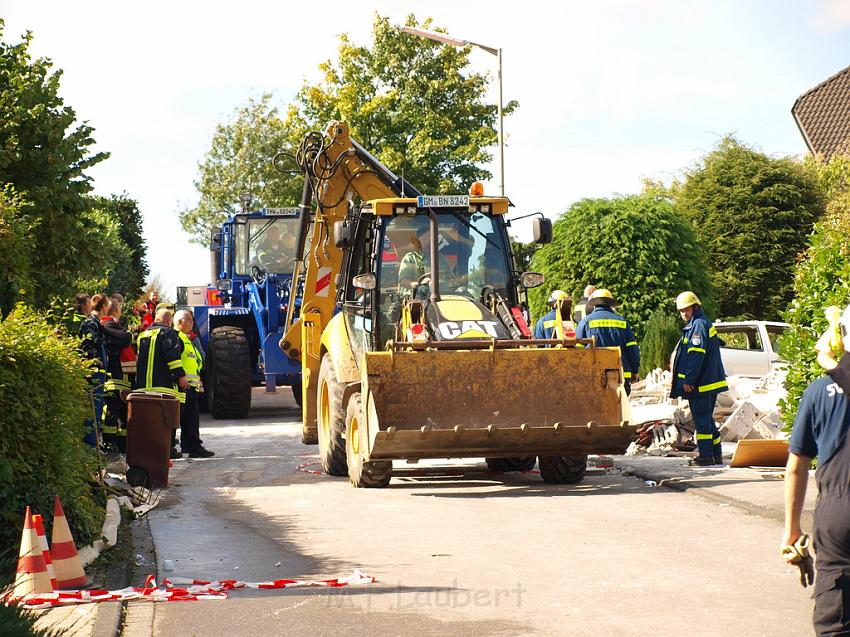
(844, 326)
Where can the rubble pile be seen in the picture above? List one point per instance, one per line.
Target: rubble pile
(750, 409)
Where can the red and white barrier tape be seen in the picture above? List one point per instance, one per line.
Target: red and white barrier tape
(178, 590)
(304, 467)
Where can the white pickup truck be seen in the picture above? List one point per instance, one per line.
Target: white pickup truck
(748, 348)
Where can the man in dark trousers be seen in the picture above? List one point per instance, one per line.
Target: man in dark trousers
(611, 330)
(190, 440)
(698, 376)
(158, 367)
(821, 430)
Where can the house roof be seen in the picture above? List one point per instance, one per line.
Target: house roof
(823, 115)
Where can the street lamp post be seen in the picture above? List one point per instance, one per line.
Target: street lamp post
(447, 39)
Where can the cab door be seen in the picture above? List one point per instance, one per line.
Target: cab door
(358, 303)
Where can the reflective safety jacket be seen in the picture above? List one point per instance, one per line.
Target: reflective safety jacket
(116, 338)
(697, 360)
(192, 361)
(159, 364)
(545, 326)
(612, 330)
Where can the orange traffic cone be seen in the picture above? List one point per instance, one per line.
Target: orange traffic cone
(66, 562)
(32, 576)
(38, 523)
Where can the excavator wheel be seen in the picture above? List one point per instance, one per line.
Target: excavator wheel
(373, 474)
(228, 373)
(563, 469)
(519, 463)
(330, 420)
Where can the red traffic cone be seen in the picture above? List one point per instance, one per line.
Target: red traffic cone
(32, 576)
(66, 562)
(38, 523)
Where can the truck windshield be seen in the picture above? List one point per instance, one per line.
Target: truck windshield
(471, 247)
(267, 243)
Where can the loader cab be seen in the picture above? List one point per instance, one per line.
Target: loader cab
(388, 261)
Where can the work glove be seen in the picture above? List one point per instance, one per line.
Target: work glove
(798, 554)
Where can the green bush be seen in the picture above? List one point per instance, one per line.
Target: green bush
(635, 246)
(663, 331)
(44, 399)
(821, 279)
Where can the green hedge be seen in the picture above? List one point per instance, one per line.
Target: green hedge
(636, 246)
(821, 279)
(663, 331)
(44, 399)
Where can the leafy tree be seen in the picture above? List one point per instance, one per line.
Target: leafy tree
(16, 243)
(100, 248)
(752, 215)
(44, 154)
(240, 160)
(635, 246)
(127, 268)
(410, 101)
(821, 279)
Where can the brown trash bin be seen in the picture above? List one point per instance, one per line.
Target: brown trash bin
(151, 416)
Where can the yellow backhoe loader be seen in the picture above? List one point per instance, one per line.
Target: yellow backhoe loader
(411, 336)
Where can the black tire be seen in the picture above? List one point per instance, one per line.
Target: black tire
(374, 474)
(330, 420)
(228, 373)
(136, 477)
(519, 463)
(563, 469)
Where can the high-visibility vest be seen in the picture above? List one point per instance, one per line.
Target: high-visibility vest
(191, 360)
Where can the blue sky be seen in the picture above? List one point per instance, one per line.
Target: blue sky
(609, 91)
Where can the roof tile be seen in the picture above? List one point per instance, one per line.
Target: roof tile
(823, 115)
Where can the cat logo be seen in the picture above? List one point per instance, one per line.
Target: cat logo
(468, 329)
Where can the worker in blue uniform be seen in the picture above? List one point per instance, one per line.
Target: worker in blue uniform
(821, 431)
(545, 326)
(698, 375)
(611, 330)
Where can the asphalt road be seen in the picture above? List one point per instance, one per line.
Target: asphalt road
(456, 550)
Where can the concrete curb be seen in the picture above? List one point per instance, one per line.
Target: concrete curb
(683, 485)
(680, 484)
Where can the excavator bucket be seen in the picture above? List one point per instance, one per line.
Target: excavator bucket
(495, 402)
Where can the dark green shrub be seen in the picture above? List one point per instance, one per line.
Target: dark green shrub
(663, 331)
(752, 214)
(635, 246)
(44, 399)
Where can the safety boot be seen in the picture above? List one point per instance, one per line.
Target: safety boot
(703, 461)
